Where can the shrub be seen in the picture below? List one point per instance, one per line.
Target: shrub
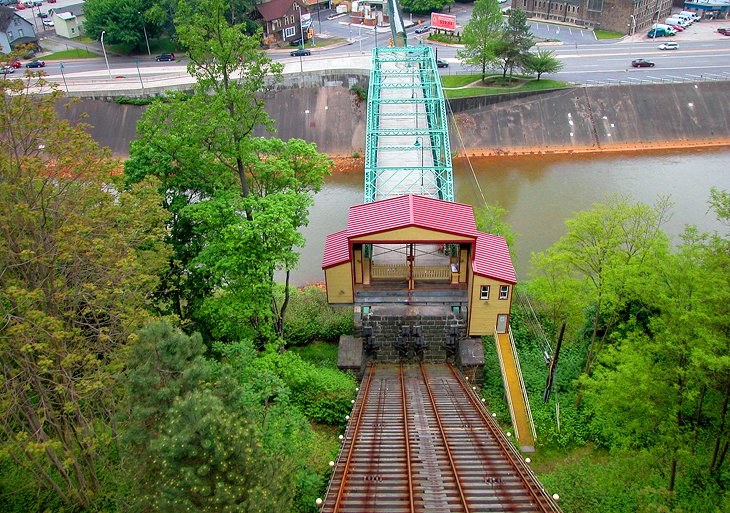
(323, 395)
(310, 318)
(360, 92)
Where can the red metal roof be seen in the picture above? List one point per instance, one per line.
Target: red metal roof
(403, 211)
(491, 256)
(492, 259)
(275, 9)
(336, 249)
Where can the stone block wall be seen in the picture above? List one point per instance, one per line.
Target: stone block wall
(435, 330)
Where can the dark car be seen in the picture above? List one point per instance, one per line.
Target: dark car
(36, 64)
(165, 57)
(723, 30)
(423, 29)
(642, 63)
(301, 52)
(440, 63)
(42, 14)
(296, 42)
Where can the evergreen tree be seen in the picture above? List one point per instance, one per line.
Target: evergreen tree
(513, 49)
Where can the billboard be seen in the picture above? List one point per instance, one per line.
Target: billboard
(443, 21)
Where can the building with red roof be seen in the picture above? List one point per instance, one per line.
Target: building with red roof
(411, 242)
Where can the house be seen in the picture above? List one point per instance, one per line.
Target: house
(284, 21)
(68, 21)
(623, 16)
(14, 30)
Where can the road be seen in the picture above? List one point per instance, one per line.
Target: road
(702, 54)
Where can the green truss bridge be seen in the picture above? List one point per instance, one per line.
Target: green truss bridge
(407, 147)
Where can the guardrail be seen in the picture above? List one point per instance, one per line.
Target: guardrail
(669, 79)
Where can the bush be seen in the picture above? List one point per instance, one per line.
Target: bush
(323, 395)
(360, 92)
(310, 318)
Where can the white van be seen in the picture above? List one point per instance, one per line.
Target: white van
(674, 21)
(692, 15)
(689, 20)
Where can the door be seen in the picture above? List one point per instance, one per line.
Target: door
(502, 323)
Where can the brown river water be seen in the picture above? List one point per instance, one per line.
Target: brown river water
(541, 192)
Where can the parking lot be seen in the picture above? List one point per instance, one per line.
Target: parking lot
(701, 31)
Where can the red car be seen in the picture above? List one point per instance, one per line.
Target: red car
(642, 63)
(723, 31)
(678, 28)
(15, 64)
(19, 7)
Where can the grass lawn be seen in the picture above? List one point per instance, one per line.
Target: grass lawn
(75, 53)
(605, 34)
(520, 84)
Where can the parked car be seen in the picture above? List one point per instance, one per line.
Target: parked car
(669, 45)
(300, 52)
(36, 64)
(642, 63)
(7, 69)
(678, 28)
(15, 64)
(42, 14)
(51, 1)
(423, 29)
(440, 63)
(37, 3)
(19, 7)
(723, 30)
(48, 23)
(657, 32)
(165, 57)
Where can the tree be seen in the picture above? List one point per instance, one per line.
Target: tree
(123, 21)
(543, 61)
(516, 42)
(206, 436)
(490, 219)
(481, 35)
(202, 148)
(79, 258)
(425, 6)
(603, 250)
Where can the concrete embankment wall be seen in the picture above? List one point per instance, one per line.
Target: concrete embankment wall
(321, 108)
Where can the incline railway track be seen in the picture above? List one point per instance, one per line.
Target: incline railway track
(421, 441)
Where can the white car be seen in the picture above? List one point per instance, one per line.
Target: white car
(48, 23)
(669, 45)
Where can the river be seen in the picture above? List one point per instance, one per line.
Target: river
(541, 192)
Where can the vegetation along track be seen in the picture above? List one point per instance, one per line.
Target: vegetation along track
(420, 440)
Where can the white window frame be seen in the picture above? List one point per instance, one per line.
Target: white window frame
(504, 292)
(484, 292)
(289, 32)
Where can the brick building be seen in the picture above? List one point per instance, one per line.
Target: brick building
(623, 16)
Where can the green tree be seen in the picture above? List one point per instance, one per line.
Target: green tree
(79, 257)
(490, 219)
(425, 6)
(481, 35)
(603, 250)
(201, 147)
(206, 436)
(513, 50)
(543, 61)
(123, 21)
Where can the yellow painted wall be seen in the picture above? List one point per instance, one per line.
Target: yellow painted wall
(357, 257)
(339, 284)
(412, 234)
(483, 313)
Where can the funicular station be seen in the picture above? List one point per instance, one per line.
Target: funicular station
(425, 286)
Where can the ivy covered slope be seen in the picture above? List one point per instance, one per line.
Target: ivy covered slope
(637, 419)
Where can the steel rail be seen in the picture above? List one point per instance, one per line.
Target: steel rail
(437, 417)
(525, 474)
(407, 439)
(351, 450)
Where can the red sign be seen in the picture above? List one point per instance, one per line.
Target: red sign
(443, 21)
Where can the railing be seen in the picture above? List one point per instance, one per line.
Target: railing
(506, 385)
(402, 272)
(669, 79)
(523, 390)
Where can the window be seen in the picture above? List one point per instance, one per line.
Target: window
(503, 291)
(289, 32)
(595, 5)
(484, 292)
(10, 35)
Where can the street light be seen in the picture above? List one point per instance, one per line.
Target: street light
(144, 29)
(105, 58)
